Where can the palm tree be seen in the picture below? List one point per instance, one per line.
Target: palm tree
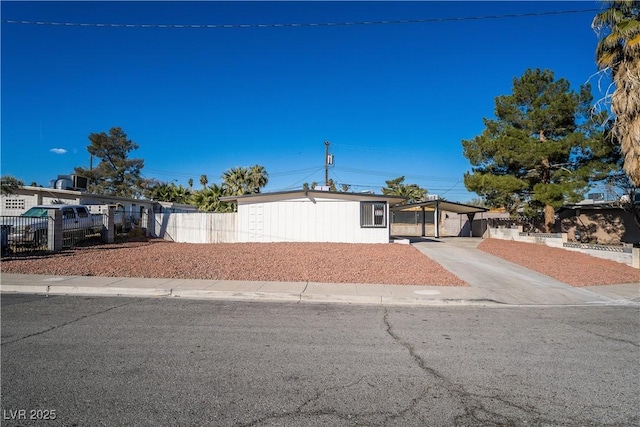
(162, 192)
(180, 194)
(242, 180)
(190, 182)
(208, 200)
(258, 177)
(397, 187)
(234, 181)
(618, 51)
(204, 181)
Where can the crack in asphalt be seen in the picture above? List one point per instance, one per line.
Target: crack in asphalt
(298, 410)
(306, 285)
(72, 321)
(635, 344)
(475, 412)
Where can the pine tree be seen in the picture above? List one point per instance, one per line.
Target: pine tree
(543, 149)
(116, 174)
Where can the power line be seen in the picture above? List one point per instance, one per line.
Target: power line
(297, 25)
(394, 174)
(368, 149)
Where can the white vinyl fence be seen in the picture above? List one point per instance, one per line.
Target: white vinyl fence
(196, 227)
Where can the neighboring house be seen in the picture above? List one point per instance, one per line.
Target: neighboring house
(27, 196)
(601, 222)
(438, 218)
(314, 216)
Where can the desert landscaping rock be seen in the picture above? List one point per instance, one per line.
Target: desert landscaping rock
(313, 262)
(287, 262)
(573, 268)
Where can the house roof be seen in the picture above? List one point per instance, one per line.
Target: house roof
(314, 194)
(589, 207)
(454, 207)
(82, 196)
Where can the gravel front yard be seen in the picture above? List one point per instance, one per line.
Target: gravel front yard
(573, 268)
(314, 262)
(288, 262)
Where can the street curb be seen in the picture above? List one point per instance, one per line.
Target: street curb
(237, 296)
(442, 301)
(82, 290)
(204, 294)
(27, 289)
(107, 291)
(358, 299)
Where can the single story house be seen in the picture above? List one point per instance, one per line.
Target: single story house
(601, 222)
(314, 216)
(135, 209)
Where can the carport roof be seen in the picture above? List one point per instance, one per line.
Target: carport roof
(444, 205)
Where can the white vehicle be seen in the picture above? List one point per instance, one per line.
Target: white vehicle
(31, 228)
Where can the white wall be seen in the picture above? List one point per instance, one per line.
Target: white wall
(12, 203)
(306, 220)
(195, 227)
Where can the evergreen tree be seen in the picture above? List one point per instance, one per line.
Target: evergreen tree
(116, 174)
(10, 184)
(543, 149)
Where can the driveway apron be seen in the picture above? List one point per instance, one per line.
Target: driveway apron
(504, 281)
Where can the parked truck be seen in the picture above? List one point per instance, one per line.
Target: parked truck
(31, 228)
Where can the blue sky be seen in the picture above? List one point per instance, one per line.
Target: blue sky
(394, 99)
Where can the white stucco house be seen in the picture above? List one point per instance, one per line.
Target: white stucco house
(314, 216)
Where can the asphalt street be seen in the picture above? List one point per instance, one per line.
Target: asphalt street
(89, 361)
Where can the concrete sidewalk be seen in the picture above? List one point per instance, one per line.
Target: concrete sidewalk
(313, 292)
(492, 280)
(245, 290)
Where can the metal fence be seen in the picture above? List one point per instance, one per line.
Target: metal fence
(23, 235)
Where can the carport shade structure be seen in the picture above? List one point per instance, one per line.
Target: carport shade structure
(440, 205)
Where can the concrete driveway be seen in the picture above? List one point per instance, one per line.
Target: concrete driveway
(508, 282)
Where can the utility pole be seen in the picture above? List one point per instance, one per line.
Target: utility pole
(328, 160)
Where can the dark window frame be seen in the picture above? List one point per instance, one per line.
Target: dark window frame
(373, 214)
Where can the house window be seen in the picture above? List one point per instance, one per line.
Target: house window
(373, 214)
(14, 203)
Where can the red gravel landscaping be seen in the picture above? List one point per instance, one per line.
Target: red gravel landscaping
(573, 268)
(315, 262)
(289, 262)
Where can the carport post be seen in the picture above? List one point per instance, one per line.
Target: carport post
(424, 219)
(436, 219)
(470, 216)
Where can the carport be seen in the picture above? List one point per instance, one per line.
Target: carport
(434, 208)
